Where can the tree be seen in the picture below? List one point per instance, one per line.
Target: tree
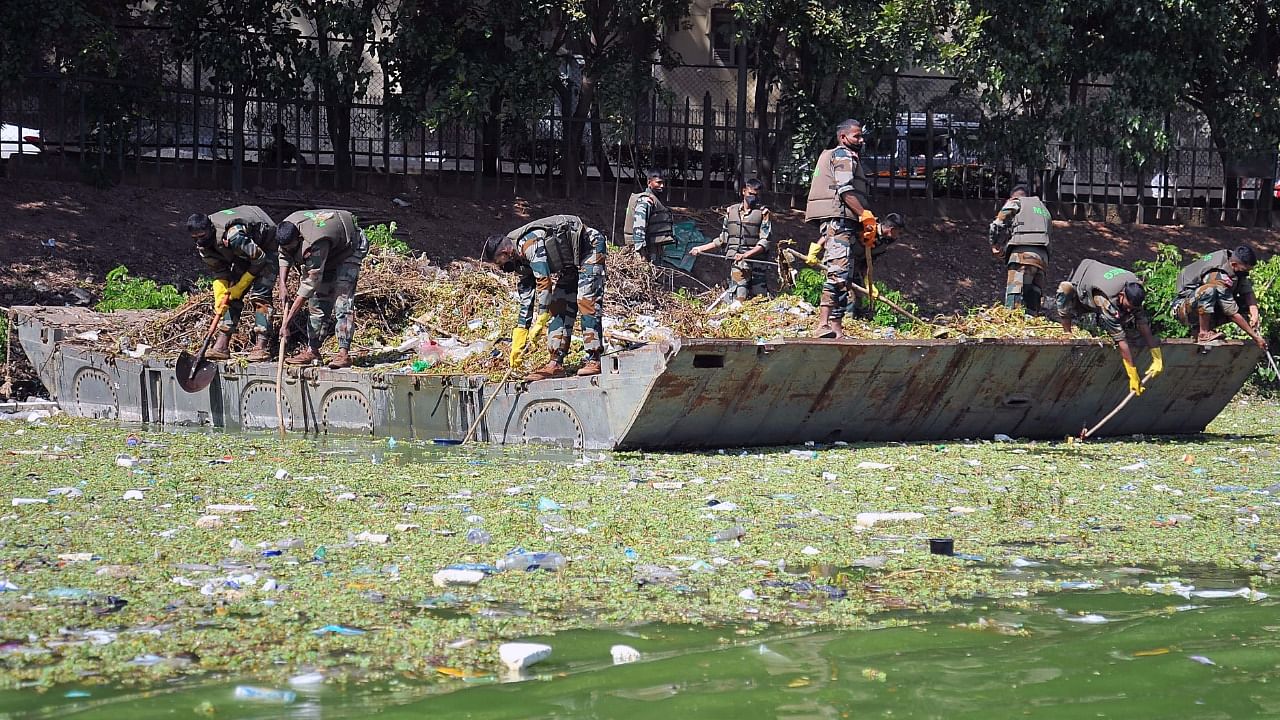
(827, 59)
(1221, 58)
(333, 62)
(457, 60)
(244, 45)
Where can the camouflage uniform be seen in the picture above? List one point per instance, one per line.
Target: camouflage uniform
(744, 229)
(563, 246)
(649, 224)
(244, 240)
(1094, 288)
(1209, 286)
(328, 257)
(838, 171)
(1026, 222)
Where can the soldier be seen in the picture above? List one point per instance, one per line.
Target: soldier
(838, 199)
(744, 235)
(327, 248)
(1211, 290)
(648, 222)
(1115, 298)
(1022, 227)
(564, 247)
(239, 246)
(886, 233)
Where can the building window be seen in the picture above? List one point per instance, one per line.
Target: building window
(723, 40)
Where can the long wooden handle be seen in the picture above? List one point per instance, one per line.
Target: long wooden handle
(280, 374)
(1112, 414)
(476, 423)
(870, 284)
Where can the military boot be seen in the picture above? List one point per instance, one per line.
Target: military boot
(341, 360)
(589, 368)
(552, 369)
(221, 349)
(261, 349)
(305, 356)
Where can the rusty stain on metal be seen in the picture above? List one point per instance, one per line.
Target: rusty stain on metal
(703, 393)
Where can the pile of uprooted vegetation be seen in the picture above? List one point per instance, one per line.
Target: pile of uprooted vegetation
(458, 318)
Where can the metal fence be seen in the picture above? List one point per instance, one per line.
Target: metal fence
(926, 144)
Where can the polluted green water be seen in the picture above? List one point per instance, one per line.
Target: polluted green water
(146, 573)
(1071, 654)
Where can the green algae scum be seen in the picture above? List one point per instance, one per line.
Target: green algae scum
(149, 574)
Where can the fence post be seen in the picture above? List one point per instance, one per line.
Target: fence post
(928, 162)
(708, 134)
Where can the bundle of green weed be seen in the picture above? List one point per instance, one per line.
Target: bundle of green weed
(383, 236)
(125, 292)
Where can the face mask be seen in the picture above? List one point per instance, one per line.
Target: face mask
(509, 266)
(753, 200)
(660, 192)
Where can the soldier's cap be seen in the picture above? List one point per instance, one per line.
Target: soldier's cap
(1020, 188)
(491, 245)
(894, 220)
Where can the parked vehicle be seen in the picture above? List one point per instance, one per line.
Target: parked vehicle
(896, 156)
(17, 140)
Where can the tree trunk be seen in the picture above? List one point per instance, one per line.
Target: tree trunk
(237, 137)
(338, 121)
(572, 127)
(491, 138)
(766, 148)
(597, 144)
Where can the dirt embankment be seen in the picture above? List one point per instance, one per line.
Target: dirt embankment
(942, 265)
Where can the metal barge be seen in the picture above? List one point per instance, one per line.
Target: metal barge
(701, 393)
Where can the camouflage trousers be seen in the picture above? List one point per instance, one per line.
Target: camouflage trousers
(332, 309)
(1212, 299)
(748, 279)
(579, 293)
(259, 296)
(1024, 281)
(838, 236)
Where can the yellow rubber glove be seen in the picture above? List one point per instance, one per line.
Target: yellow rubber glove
(519, 339)
(869, 227)
(1157, 363)
(814, 250)
(238, 290)
(1135, 383)
(221, 292)
(539, 326)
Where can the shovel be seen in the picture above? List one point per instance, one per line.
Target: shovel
(194, 374)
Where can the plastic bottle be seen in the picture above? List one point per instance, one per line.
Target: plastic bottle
(248, 692)
(521, 560)
(476, 536)
(728, 534)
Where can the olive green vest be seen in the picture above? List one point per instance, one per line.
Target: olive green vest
(823, 203)
(659, 230)
(1031, 225)
(743, 230)
(1091, 276)
(261, 226)
(338, 227)
(1191, 275)
(563, 243)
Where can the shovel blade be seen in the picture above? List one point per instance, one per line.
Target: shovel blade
(193, 377)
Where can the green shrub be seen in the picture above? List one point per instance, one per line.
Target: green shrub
(383, 236)
(1161, 279)
(123, 292)
(887, 316)
(808, 285)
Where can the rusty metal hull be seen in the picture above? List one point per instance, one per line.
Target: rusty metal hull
(718, 393)
(701, 394)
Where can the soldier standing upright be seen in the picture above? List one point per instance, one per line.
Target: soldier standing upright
(1020, 233)
(239, 246)
(838, 199)
(648, 223)
(327, 248)
(744, 235)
